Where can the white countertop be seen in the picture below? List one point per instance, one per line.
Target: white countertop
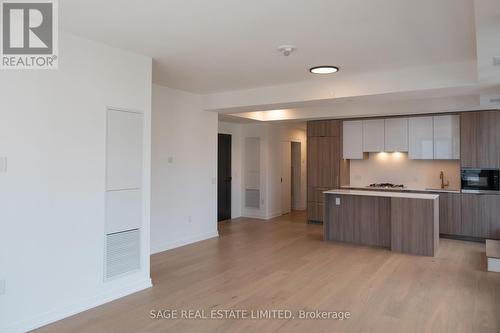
(406, 189)
(387, 194)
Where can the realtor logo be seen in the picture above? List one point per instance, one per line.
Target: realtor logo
(29, 34)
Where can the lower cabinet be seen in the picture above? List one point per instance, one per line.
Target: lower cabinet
(450, 214)
(470, 215)
(315, 211)
(481, 215)
(460, 214)
(359, 219)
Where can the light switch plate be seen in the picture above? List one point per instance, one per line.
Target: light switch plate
(170, 159)
(337, 201)
(3, 164)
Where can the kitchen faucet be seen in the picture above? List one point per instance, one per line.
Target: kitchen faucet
(443, 184)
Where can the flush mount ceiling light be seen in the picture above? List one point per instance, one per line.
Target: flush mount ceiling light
(324, 70)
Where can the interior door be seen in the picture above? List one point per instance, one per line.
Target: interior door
(224, 178)
(286, 174)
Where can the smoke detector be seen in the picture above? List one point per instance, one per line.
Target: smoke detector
(286, 50)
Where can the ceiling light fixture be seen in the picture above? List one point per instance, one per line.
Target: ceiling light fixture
(324, 70)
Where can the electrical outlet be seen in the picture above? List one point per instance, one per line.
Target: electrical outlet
(2, 287)
(170, 160)
(337, 201)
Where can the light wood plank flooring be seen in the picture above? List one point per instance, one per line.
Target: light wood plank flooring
(284, 264)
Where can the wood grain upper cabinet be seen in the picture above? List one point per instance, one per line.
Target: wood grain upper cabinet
(480, 139)
(447, 137)
(373, 135)
(352, 140)
(420, 138)
(396, 134)
(323, 128)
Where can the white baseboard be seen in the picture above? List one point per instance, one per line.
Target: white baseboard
(254, 215)
(70, 310)
(273, 215)
(181, 242)
(262, 217)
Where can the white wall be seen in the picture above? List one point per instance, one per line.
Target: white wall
(184, 190)
(294, 132)
(236, 168)
(52, 130)
(345, 85)
(398, 169)
(271, 135)
(371, 106)
(256, 130)
(487, 13)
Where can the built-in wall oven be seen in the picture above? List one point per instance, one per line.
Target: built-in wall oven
(480, 180)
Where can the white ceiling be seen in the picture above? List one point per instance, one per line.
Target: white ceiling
(220, 45)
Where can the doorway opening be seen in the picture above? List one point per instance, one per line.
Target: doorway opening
(224, 177)
(290, 176)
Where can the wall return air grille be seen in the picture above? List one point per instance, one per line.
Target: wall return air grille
(122, 253)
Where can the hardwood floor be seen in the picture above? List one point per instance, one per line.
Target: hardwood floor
(284, 264)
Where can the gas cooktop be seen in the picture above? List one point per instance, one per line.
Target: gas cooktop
(386, 185)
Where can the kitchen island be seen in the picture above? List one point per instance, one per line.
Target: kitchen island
(400, 221)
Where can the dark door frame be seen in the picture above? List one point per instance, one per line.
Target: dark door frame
(224, 177)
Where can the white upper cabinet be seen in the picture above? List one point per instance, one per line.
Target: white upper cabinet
(420, 138)
(352, 143)
(396, 134)
(447, 137)
(373, 135)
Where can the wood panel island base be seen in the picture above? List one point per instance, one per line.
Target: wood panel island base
(402, 222)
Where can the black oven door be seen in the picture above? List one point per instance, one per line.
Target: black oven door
(480, 180)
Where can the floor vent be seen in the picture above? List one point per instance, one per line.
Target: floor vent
(122, 253)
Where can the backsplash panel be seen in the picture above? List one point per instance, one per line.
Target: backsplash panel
(398, 169)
